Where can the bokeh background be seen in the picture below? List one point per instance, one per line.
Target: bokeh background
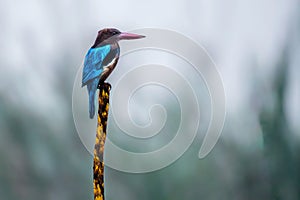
(256, 46)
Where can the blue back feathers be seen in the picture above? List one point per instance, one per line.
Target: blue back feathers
(93, 67)
(93, 63)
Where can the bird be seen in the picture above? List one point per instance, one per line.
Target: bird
(101, 59)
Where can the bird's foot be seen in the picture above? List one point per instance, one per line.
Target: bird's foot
(104, 85)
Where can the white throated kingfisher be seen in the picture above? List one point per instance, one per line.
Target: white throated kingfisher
(101, 59)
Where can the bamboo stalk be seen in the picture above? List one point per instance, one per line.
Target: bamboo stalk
(98, 166)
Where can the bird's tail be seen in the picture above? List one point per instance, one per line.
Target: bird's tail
(92, 104)
(92, 87)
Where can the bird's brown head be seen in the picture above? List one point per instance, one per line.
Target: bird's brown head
(112, 35)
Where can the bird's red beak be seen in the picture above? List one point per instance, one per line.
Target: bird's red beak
(130, 36)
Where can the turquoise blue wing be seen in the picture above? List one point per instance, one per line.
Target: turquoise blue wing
(93, 66)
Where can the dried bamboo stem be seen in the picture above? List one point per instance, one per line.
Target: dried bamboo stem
(98, 166)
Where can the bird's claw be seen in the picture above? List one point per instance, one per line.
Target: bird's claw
(103, 85)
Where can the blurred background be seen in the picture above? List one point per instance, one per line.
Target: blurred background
(256, 46)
